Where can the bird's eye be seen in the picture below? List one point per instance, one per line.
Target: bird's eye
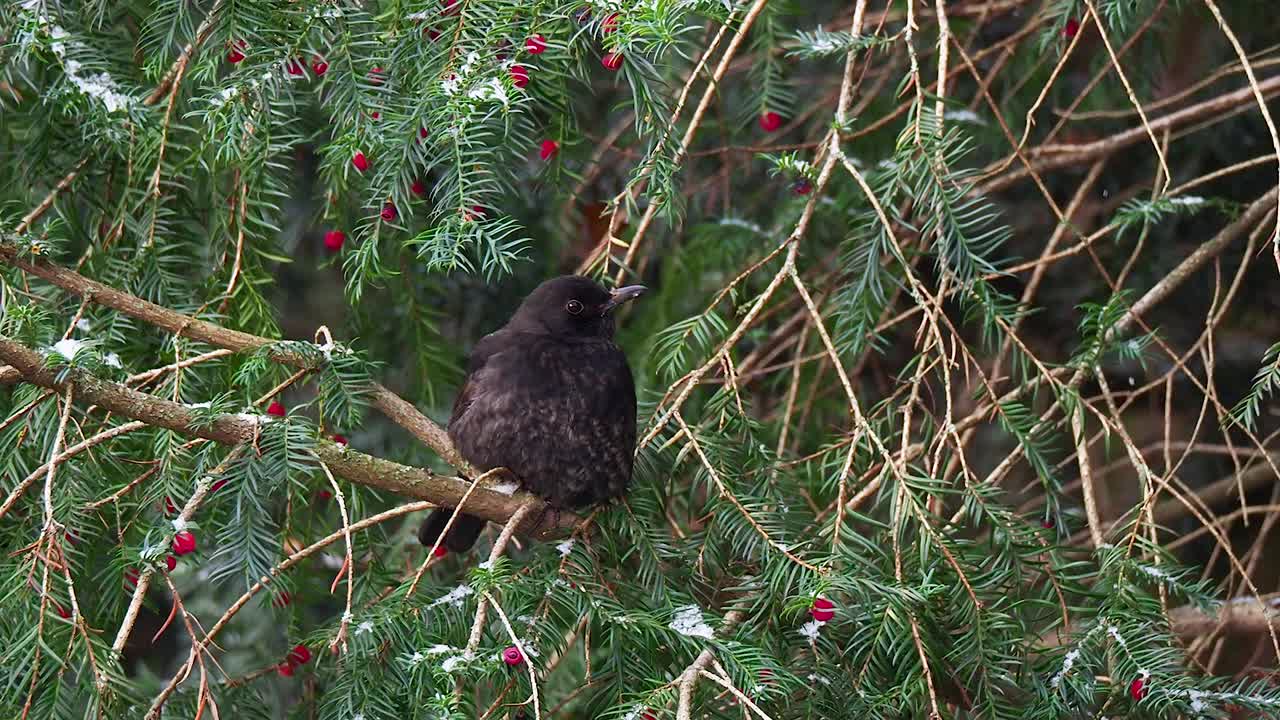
(574, 307)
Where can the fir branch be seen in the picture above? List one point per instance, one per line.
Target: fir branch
(237, 429)
(394, 407)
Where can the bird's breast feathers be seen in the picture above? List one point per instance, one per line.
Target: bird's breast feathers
(561, 416)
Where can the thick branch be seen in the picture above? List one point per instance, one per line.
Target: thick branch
(1053, 157)
(397, 409)
(1241, 615)
(354, 466)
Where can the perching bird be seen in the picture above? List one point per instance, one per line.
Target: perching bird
(549, 397)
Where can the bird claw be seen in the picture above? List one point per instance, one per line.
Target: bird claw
(551, 510)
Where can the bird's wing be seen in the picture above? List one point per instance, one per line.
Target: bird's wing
(488, 346)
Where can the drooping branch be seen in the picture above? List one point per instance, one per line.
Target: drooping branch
(356, 467)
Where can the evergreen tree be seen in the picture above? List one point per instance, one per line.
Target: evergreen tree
(957, 380)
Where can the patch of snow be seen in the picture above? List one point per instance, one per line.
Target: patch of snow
(455, 597)
(1114, 632)
(688, 621)
(1198, 705)
(565, 547)
(508, 487)
(68, 348)
(1155, 572)
(811, 629)
(112, 360)
(968, 116)
(1067, 662)
(451, 663)
(99, 86)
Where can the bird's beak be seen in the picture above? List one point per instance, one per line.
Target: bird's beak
(617, 296)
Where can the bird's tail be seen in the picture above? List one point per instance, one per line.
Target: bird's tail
(462, 534)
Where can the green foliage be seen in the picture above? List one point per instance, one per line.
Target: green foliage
(929, 500)
(1266, 382)
(822, 43)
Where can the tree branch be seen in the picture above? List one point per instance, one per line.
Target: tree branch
(1239, 615)
(394, 407)
(349, 464)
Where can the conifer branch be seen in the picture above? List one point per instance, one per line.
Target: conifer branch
(349, 464)
(396, 408)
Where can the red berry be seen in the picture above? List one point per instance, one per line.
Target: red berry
(299, 655)
(377, 76)
(418, 188)
(389, 212)
(376, 115)
(236, 53)
(610, 23)
(1071, 28)
(334, 239)
(294, 67)
(766, 676)
(323, 496)
(823, 610)
(648, 715)
(340, 439)
(519, 76)
(170, 562)
(131, 577)
(512, 656)
(536, 45)
(276, 408)
(319, 66)
(1138, 689)
(451, 7)
(440, 551)
(549, 149)
(184, 543)
(282, 600)
(169, 507)
(770, 121)
(612, 61)
(360, 161)
(218, 485)
(802, 186)
(1047, 524)
(432, 34)
(475, 213)
(285, 669)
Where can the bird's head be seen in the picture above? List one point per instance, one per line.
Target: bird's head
(572, 305)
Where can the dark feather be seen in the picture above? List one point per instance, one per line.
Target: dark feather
(550, 397)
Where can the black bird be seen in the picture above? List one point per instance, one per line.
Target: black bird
(549, 397)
